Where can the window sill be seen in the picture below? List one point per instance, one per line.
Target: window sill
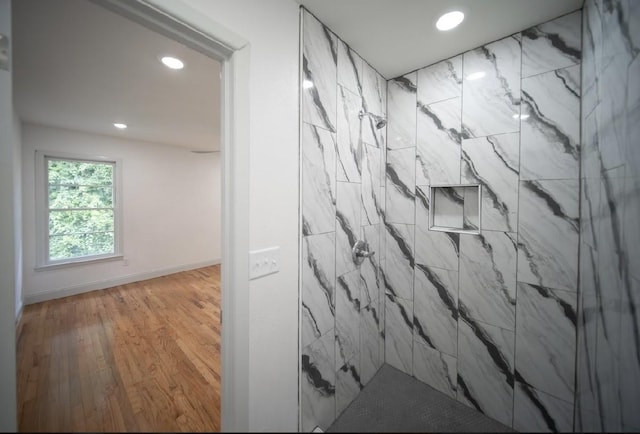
(80, 261)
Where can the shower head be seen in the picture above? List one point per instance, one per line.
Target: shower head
(380, 122)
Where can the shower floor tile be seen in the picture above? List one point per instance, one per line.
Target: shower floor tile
(396, 402)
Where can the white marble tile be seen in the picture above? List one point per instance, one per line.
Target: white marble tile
(471, 208)
(491, 100)
(318, 180)
(548, 233)
(608, 374)
(611, 111)
(347, 225)
(382, 211)
(493, 162)
(401, 101)
(550, 130)
(371, 342)
(591, 55)
(398, 333)
(348, 384)
(488, 277)
(434, 368)
(591, 161)
(369, 268)
(437, 249)
(371, 185)
(318, 380)
(546, 323)
(630, 213)
(630, 355)
(448, 203)
(609, 232)
(348, 288)
(349, 136)
(440, 81)
(400, 179)
(399, 260)
(318, 286)
(485, 368)
(438, 143)
(552, 45)
(422, 205)
(319, 67)
(632, 150)
(349, 68)
(435, 308)
(374, 91)
(535, 411)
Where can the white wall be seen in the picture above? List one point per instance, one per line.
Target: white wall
(271, 27)
(7, 241)
(171, 211)
(17, 210)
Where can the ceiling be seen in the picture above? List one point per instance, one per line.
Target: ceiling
(399, 36)
(82, 67)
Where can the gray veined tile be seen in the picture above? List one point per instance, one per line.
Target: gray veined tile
(632, 150)
(550, 135)
(591, 55)
(438, 143)
(434, 368)
(552, 45)
(371, 342)
(630, 213)
(349, 136)
(422, 205)
(319, 64)
(374, 91)
(399, 260)
(485, 368)
(586, 384)
(535, 411)
(371, 185)
(488, 277)
(348, 288)
(400, 178)
(318, 286)
(591, 161)
(611, 111)
(630, 355)
(619, 39)
(471, 208)
(401, 101)
(398, 333)
(546, 323)
(437, 249)
(349, 68)
(435, 308)
(493, 162)
(449, 207)
(548, 233)
(440, 81)
(318, 180)
(347, 225)
(369, 268)
(348, 384)
(612, 266)
(491, 88)
(318, 379)
(382, 211)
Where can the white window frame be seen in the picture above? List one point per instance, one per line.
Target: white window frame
(42, 212)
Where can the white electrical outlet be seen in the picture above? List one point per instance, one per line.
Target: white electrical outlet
(264, 262)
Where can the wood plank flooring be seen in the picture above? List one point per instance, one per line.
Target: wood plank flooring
(138, 357)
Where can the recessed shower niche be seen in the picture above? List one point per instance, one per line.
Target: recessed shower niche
(455, 208)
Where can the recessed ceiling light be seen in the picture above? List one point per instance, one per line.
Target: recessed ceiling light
(307, 84)
(449, 20)
(172, 62)
(522, 117)
(476, 75)
(120, 126)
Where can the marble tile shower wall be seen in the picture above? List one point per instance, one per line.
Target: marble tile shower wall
(342, 201)
(608, 377)
(489, 319)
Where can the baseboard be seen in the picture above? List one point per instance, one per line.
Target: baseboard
(103, 284)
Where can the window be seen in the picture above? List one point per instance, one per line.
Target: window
(78, 209)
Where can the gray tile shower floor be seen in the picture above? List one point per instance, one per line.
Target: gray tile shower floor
(395, 402)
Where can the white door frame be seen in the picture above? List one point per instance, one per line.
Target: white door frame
(175, 19)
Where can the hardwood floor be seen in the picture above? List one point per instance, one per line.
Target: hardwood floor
(138, 357)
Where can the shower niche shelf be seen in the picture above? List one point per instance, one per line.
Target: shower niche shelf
(455, 208)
